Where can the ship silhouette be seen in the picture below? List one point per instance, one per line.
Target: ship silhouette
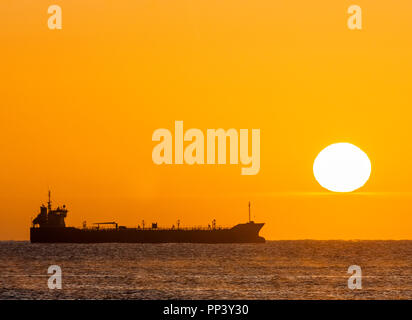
(49, 227)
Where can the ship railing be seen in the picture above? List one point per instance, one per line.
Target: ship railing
(194, 228)
(190, 228)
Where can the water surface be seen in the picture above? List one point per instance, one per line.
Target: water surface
(274, 270)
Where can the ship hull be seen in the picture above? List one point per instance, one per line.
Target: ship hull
(243, 233)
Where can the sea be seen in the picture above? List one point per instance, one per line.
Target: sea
(274, 270)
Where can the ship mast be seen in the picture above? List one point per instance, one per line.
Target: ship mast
(249, 211)
(49, 202)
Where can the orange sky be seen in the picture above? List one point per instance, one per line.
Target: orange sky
(79, 106)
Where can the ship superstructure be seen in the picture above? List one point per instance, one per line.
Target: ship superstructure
(49, 217)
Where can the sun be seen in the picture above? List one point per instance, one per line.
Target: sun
(342, 167)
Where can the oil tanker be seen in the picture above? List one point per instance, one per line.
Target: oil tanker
(49, 227)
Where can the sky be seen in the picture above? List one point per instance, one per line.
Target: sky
(78, 108)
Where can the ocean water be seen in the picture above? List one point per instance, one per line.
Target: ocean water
(274, 270)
